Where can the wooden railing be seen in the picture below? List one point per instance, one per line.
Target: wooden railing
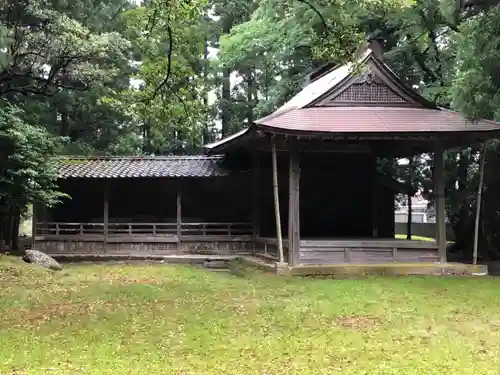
(144, 229)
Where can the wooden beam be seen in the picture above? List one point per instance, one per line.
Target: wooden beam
(276, 200)
(294, 205)
(179, 214)
(439, 198)
(106, 213)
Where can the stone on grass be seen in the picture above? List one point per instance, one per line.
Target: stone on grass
(41, 259)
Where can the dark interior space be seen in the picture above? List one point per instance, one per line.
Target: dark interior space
(221, 199)
(336, 193)
(84, 203)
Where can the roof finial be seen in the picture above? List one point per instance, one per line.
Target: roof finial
(376, 45)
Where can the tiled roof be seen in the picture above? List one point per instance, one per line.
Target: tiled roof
(316, 88)
(136, 167)
(376, 120)
(379, 105)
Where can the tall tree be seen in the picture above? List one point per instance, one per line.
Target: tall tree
(58, 68)
(47, 56)
(26, 175)
(167, 108)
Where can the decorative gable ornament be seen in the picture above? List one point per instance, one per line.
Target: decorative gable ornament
(365, 88)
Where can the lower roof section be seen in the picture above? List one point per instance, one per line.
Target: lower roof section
(137, 167)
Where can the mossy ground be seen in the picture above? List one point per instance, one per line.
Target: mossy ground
(163, 319)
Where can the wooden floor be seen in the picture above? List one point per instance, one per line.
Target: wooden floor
(366, 251)
(355, 251)
(320, 251)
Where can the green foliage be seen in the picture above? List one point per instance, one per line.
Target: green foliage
(26, 173)
(476, 87)
(45, 50)
(167, 108)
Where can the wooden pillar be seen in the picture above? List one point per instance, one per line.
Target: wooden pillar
(256, 197)
(179, 214)
(294, 205)
(106, 213)
(276, 200)
(409, 217)
(440, 203)
(410, 196)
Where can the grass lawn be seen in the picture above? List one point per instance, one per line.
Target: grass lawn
(414, 238)
(418, 238)
(159, 319)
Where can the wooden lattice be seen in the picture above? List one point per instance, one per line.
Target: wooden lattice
(368, 93)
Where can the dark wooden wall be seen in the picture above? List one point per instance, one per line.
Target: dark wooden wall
(222, 199)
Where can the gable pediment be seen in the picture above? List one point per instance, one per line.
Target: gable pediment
(369, 87)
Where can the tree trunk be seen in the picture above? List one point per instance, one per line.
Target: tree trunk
(147, 145)
(206, 130)
(11, 234)
(64, 129)
(8, 228)
(226, 102)
(3, 230)
(226, 107)
(14, 235)
(251, 96)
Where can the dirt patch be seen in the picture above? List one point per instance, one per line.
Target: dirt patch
(441, 292)
(357, 322)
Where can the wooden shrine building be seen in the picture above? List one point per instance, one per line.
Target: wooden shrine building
(299, 186)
